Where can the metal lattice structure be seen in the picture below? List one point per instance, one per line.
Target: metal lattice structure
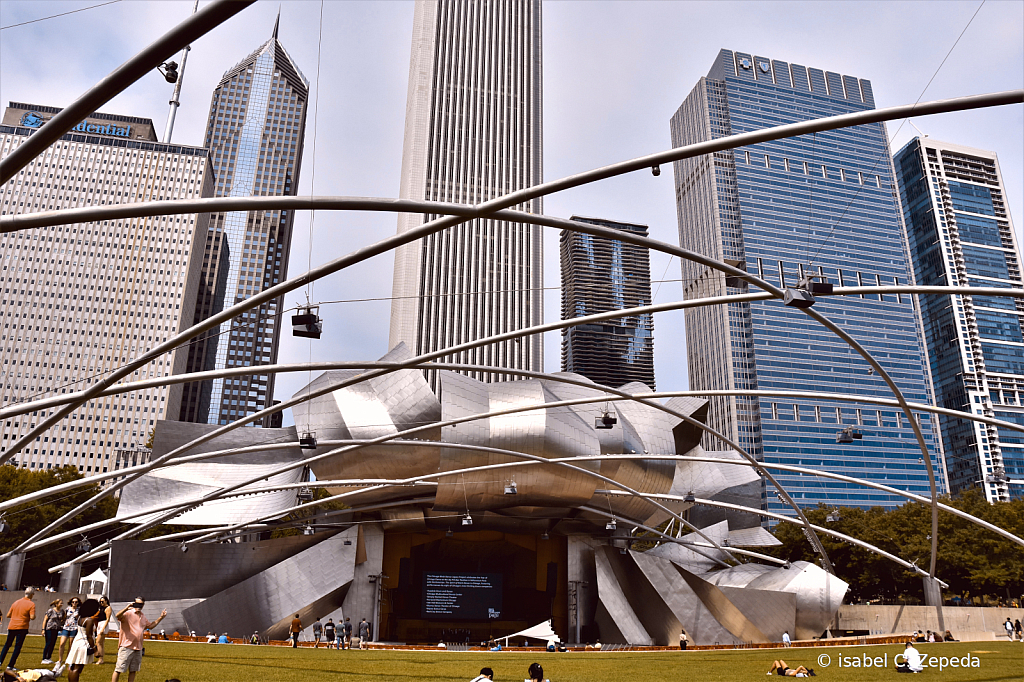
(378, 493)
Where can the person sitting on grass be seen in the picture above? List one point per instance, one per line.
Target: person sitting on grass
(780, 668)
(486, 675)
(536, 673)
(912, 660)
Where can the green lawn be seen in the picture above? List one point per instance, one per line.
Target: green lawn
(241, 663)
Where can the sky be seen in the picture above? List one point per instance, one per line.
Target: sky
(614, 73)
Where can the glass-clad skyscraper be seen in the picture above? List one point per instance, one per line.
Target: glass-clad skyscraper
(822, 204)
(255, 134)
(599, 275)
(961, 234)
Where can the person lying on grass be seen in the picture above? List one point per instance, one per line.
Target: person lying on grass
(780, 668)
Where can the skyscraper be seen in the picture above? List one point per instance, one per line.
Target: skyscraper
(81, 300)
(960, 233)
(599, 275)
(821, 204)
(472, 133)
(255, 134)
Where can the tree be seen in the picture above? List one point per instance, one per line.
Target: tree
(970, 558)
(27, 519)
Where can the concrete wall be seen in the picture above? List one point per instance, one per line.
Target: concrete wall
(965, 622)
(362, 594)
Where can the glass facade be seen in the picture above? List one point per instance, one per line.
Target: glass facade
(961, 234)
(255, 133)
(599, 275)
(822, 204)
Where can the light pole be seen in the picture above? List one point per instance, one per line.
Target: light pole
(177, 88)
(574, 606)
(378, 596)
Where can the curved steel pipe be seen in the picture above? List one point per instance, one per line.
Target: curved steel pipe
(398, 443)
(45, 403)
(490, 207)
(165, 47)
(820, 529)
(183, 506)
(641, 163)
(392, 483)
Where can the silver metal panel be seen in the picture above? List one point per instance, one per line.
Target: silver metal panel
(182, 482)
(691, 561)
(818, 595)
(615, 604)
(737, 576)
(361, 597)
(621, 438)
(159, 570)
(772, 613)
(752, 537)
(723, 483)
(642, 578)
(724, 611)
(688, 436)
(376, 407)
(690, 613)
(311, 583)
(541, 432)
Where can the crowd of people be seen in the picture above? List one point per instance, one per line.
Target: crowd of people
(332, 635)
(81, 627)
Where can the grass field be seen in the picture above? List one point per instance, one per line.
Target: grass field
(242, 663)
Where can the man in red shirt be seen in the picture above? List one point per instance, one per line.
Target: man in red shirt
(129, 640)
(18, 617)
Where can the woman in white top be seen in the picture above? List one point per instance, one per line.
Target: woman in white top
(84, 645)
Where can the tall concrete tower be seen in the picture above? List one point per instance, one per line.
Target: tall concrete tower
(472, 133)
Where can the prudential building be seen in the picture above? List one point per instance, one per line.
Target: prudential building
(822, 204)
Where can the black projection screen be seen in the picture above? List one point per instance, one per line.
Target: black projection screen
(462, 596)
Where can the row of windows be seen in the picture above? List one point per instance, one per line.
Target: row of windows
(807, 168)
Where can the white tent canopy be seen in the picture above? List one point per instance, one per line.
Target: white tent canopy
(94, 583)
(542, 631)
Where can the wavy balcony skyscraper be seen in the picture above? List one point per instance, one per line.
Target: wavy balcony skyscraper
(472, 133)
(255, 132)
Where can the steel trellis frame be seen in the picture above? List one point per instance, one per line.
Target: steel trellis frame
(189, 504)
(165, 47)
(564, 224)
(490, 207)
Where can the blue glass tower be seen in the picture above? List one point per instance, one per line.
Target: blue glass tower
(821, 204)
(961, 234)
(255, 132)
